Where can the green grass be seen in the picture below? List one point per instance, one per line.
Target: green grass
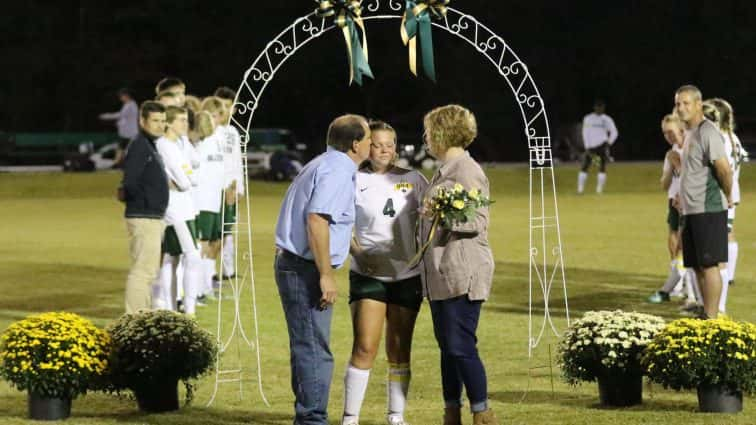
(63, 246)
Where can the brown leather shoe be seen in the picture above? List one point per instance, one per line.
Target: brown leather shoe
(452, 416)
(485, 418)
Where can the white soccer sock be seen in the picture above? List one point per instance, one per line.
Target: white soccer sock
(397, 386)
(355, 385)
(161, 287)
(672, 279)
(193, 274)
(725, 289)
(694, 291)
(229, 255)
(582, 177)
(732, 259)
(180, 278)
(209, 270)
(600, 182)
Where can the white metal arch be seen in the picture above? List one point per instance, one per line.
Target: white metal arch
(545, 250)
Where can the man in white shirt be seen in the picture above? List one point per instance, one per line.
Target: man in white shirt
(599, 133)
(127, 122)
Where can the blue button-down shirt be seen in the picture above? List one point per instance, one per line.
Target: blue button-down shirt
(324, 186)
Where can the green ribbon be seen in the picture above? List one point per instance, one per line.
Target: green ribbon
(416, 24)
(348, 17)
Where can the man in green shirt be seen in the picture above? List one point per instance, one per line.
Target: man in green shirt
(705, 185)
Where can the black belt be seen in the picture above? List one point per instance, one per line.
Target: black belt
(290, 256)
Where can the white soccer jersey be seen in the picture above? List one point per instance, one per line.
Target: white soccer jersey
(179, 171)
(211, 175)
(734, 150)
(233, 169)
(598, 129)
(674, 186)
(386, 214)
(190, 153)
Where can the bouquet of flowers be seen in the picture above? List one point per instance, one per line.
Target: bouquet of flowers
(691, 352)
(54, 355)
(154, 347)
(456, 204)
(604, 342)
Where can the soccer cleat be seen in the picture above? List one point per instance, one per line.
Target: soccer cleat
(229, 276)
(395, 420)
(658, 297)
(350, 421)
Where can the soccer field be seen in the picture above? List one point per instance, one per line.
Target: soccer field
(63, 247)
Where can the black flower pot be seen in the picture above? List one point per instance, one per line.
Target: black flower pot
(158, 396)
(48, 409)
(620, 389)
(719, 399)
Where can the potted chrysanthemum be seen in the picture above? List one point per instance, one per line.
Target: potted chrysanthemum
(152, 351)
(606, 346)
(55, 357)
(716, 357)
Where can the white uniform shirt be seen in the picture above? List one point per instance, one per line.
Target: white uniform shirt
(210, 189)
(190, 153)
(179, 171)
(598, 129)
(233, 169)
(674, 186)
(385, 218)
(733, 149)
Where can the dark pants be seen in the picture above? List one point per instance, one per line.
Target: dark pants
(603, 154)
(309, 335)
(454, 323)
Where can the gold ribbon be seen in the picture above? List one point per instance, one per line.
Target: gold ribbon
(421, 252)
(349, 15)
(416, 20)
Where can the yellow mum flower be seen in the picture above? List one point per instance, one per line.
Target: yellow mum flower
(473, 194)
(458, 204)
(458, 188)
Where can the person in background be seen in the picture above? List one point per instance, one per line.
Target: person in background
(599, 134)
(144, 189)
(234, 171)
(674, 133)
(127, 123)
(705, 196)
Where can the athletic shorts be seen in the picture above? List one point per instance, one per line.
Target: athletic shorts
(730, 219)
(704, 239)
(229, 217)
(673, 217)
(209, 226)
(180, 238)
(404, 293)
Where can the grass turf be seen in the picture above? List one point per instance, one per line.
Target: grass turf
(63, 247)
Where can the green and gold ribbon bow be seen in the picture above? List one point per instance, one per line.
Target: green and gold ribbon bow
(416, 23)
(348, 17)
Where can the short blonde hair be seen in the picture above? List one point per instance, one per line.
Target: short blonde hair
(193, 103)
(672, 119)
(450, 126)
(712, 113)
(204, 124)
(214, 104)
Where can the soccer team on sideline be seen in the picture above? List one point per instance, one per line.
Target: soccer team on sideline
(701, 177)
(181, 172)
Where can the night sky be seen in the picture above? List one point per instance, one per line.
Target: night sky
(63, 61)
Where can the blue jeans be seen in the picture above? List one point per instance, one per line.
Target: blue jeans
(309, 335)
(454, 323)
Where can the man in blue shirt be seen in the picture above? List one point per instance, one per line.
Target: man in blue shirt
(312, 238)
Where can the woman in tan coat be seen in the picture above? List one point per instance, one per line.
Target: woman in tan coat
(457, 267)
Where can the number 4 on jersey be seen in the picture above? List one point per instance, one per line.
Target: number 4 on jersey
(388, 209)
